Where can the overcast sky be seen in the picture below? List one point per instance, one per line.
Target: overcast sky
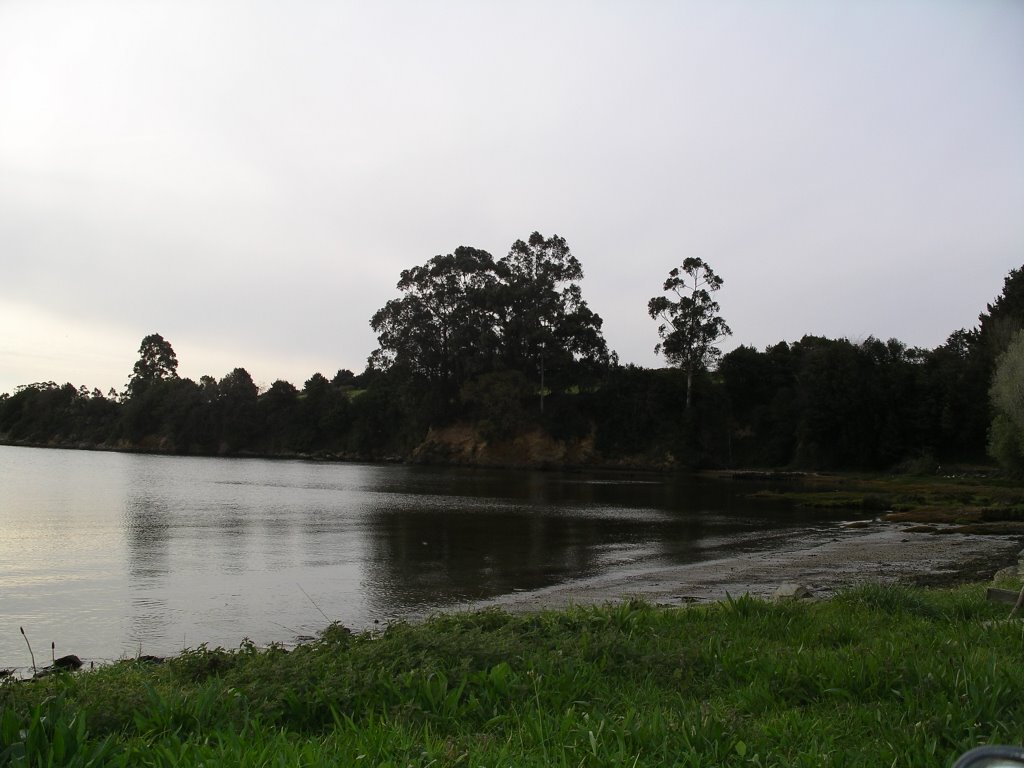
(249, 178)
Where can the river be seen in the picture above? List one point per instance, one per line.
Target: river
(109, 555)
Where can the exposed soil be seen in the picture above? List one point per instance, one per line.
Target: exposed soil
(824, 560)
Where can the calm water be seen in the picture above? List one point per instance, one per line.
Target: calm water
(111, 554)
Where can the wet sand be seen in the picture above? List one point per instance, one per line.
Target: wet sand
(824, 560)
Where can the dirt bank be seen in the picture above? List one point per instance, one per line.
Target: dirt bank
(824, 559)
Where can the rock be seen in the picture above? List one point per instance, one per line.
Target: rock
(1010, 573)
(67, 663)
(857, 524)
(790, 591)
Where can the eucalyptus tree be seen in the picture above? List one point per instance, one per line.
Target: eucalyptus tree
(543, 322)
(691, 325)
(464, 315)
(441, 331)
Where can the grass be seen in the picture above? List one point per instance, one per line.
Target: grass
(977, 501)
(876, 676)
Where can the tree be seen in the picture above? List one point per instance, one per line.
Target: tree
(345, 378)
(1006, 437)
(157, 362)
(690, 324)
(278, 410)
(761, 390)
(441, 331)
(543, 321)
(236, 405)
(464, 315)
(323, 413)
(1004, 317)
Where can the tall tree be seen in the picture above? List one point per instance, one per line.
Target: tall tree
(156, 362)
(1004, 317)
(440, 331)
(236, 406)
(543, 322)
(464, 316)
(691, 325)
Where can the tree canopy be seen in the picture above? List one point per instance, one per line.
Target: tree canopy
(156, 362)
(477, 341)
(1006, 438)
(442, 329)
(690, 325)
(464, 315)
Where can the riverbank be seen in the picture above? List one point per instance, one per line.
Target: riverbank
(825, 559)
(876, 676)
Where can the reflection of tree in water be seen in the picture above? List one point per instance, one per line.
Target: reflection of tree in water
(165, 544)
(422, 558)
(232, 545)
(147, 528)
(147, 524)
(419, 558)
(278, 544)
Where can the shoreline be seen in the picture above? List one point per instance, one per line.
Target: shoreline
(825, 560)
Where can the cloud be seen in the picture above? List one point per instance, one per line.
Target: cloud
(249, 180)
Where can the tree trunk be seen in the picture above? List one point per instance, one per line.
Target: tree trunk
(689, 388)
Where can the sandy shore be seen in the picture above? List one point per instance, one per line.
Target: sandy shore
(823, 559)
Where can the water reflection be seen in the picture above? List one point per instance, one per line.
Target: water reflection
(147, 528)
(232, 530)
(150, 621)
(280, 541)
(171, 551)
(423, 558)
(428, 559)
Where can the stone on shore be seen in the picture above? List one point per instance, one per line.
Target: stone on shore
(791, 591)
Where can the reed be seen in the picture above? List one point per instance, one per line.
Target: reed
(31, 655)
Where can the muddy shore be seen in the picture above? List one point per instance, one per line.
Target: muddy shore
(823, 559)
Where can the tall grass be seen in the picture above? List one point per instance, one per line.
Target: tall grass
(876, 676)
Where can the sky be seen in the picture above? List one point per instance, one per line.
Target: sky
(248, 178)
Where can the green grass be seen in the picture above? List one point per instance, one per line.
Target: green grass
(877, 676)
(906, 498)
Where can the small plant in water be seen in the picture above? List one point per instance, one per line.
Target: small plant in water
(32, 655)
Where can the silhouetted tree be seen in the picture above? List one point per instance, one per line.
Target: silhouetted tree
(464, 316)
(278, 410)
(690, 325)
(441, 331)
(345, 378)
(1004, 317)
(544, 325)
(236, 404)
(156, 362)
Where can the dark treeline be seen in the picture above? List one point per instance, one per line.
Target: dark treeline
(508, 347)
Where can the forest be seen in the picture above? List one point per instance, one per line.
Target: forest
(506, 348)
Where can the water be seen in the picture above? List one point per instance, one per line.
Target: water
(110, 555)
